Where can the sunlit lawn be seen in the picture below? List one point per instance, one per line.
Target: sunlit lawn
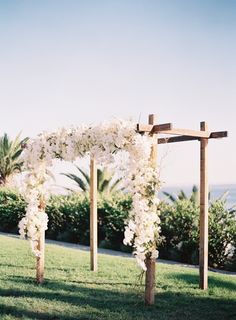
(72, 291)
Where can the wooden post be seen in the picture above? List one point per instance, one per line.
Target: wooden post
(151, 263)
(40, 259)
(203, 248)
(93, 215)
(41, 249)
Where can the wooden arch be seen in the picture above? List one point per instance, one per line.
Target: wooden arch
(173, 135)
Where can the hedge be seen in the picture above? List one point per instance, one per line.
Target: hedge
(69, 221)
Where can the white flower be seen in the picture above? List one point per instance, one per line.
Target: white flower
(116, 142)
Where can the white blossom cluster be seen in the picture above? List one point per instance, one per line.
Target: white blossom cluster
(104, 142)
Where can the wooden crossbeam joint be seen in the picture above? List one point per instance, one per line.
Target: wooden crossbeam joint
(151, 128)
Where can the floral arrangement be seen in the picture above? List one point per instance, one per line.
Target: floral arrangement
(116, 143)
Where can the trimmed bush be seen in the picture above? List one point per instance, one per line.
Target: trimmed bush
(69, 221)
(222, 235)
(179, 228)
(12, 209)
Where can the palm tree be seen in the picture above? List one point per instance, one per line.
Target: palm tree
(105, 182)
(194, 197)
(10, 162)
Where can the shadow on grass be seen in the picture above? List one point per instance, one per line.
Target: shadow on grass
(55, 284)
(29, 314)
(12, 265)
(114, 303)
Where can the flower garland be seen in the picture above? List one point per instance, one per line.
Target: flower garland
(104, 142)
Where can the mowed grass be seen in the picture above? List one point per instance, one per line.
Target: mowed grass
(72, 291)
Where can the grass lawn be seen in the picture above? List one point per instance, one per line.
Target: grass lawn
(71, 291)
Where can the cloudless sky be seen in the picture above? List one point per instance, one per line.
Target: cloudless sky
(70, 62)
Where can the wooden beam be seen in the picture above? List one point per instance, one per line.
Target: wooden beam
(162, 127)
(213, 135)
(176, 139)
(93, 215)
(219, 134)
(144, 127)
(187, 132)
(203, 247)
(167, 128)
(151, 263)
(153, 128)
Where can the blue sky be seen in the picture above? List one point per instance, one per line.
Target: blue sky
(72, 62)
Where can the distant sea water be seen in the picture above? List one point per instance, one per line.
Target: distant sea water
(215, 192)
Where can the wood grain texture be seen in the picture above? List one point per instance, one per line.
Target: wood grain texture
(176, 139)
(150, 273)
(187, 132)
(41, 249)
(40, 259)
(203, 246)
(150, 281)
(213, 135)
(93, 215)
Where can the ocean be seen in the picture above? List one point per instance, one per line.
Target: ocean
(215, 192)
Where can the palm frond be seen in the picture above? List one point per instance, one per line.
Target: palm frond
(224, 195)
(84, 174)
(10, 151)
(104, 180)
(81, 184)
(115, 184)
(104, 185)
(170, 196)
(182, 195)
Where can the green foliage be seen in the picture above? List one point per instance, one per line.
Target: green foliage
(112, 213)
(68, 218)
(222, 231)
(69, 221)
(10, 151)
(179, 225)
(194, 197)
(12, 209)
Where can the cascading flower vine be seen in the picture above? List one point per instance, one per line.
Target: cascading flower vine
(103, 142)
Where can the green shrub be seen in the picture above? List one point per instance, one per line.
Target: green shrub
(179, 227)
(112, 213)
(12, 209)
(222, 234)
(69, 221)
(68, 218)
